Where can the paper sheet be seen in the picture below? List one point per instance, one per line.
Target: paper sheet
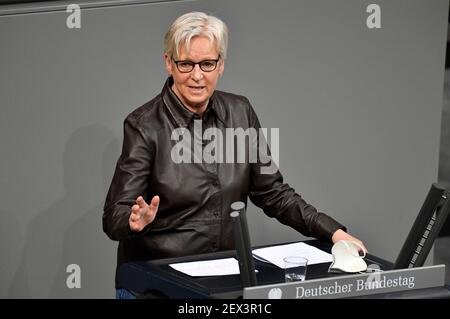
(215, 267)
(275, 254)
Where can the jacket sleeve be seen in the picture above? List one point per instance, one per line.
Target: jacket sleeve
(279, 200)
(129, 181)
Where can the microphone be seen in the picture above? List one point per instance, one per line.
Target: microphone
(243, 245)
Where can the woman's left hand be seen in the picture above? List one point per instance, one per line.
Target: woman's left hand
(342, 235)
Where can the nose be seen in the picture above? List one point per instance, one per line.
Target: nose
(197, 73)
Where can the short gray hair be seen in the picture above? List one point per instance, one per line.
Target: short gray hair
(194, 24)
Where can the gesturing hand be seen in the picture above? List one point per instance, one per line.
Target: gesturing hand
(142, 213)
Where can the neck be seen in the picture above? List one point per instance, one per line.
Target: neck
(199, 110)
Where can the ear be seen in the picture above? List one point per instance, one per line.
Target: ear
(168, 63)
(221, 67)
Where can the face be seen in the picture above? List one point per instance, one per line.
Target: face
(196, 87)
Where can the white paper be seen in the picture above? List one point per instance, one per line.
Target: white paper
(215, 267)
(275, 254)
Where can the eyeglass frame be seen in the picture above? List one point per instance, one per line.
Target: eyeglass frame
(216, 61)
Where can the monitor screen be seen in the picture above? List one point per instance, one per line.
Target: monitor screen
(425, 229)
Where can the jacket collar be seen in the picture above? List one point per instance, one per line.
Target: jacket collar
(180, 113)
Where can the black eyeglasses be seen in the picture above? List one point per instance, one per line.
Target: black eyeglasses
(186, 66)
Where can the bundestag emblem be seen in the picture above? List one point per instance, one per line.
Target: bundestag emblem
(275, 293)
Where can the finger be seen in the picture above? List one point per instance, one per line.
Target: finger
(362, 248)
(141, 202)
(135, 209)
(134, 218)
(365, 249)
(135, 227)
(154, 203)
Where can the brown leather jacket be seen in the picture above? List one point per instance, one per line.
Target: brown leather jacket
(193, 215)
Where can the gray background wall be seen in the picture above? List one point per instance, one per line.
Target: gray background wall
(359, 113)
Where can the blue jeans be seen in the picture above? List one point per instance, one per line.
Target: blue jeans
(122, 293)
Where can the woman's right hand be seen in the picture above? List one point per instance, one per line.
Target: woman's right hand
(142, 213)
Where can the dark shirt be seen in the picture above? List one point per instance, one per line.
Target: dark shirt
(195, 198)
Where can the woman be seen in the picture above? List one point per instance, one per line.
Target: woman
(158, 206)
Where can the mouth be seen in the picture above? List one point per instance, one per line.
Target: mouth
(196, 89)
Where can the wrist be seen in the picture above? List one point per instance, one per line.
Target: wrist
(337, 235)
